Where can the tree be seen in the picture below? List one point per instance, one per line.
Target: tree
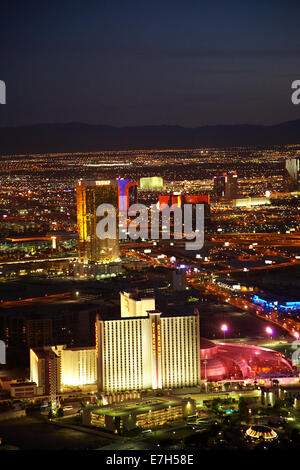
(215, 406)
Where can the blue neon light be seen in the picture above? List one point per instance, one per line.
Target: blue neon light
(286, 306)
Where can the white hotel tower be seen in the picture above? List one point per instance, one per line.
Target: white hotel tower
(145, 349)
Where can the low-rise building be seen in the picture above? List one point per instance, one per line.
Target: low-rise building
(144, 413)
(23, 389)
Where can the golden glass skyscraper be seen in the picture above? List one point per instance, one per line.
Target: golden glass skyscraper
(90, 195)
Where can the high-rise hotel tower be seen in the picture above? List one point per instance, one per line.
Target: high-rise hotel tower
(90, 194)
(226, 185)
(292, 175)
(152, 351)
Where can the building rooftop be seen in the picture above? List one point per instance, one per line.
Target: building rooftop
(136, 295)
(44, 353)
(157, 312)
(23, 384)
(136, 407)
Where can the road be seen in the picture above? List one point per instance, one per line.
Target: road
(44, 300)
(287, 324)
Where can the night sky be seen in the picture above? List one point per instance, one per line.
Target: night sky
(161, 62)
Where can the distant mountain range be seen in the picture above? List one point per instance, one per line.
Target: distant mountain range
(80, 137)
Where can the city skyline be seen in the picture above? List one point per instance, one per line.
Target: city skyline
(150, 229)
(114, 344)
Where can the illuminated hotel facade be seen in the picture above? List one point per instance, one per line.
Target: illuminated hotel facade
(90, 194)
(127, 193)
(149, 352)
(134, 305)
(54, 368)
(45, 371)
(151, 183)
(292, 166)
(78, 366)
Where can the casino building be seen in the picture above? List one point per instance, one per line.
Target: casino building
(233, 361)
(150, 351)
(144, 349)
(226, 185)
(100, 257)
(56, 368)
(90, 195)
(292, 173)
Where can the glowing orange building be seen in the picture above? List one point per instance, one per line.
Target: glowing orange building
(90, 194)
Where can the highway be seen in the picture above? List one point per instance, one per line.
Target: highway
(288, 324)
(44, 300)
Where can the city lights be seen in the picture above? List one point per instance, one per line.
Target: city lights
(150, 231)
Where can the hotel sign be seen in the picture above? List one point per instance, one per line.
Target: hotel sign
(156, 341)
(156, 352)
(97, 339)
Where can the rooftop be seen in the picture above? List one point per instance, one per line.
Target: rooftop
(136, 407)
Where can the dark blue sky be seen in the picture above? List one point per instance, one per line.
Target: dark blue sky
(160, 62)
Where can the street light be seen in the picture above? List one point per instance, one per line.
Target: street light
(224, 328)
(269, 331)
